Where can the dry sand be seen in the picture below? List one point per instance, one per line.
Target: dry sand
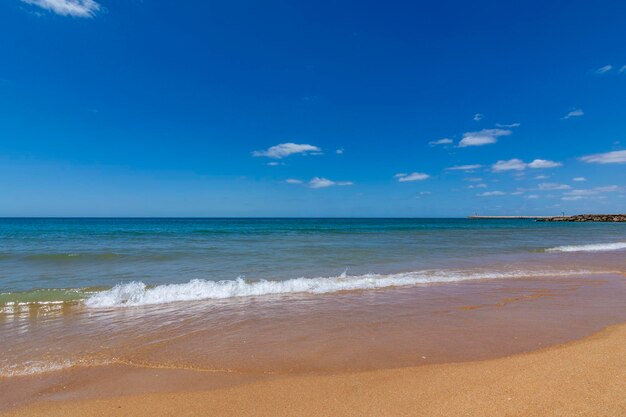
(581, 378)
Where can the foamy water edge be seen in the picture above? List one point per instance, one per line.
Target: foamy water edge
(596, 247)
(139, 294)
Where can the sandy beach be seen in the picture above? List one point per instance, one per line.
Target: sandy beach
(499, 348)
(583, 378)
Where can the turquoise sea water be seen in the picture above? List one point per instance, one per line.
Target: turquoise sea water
(272, 294)
(70, 259)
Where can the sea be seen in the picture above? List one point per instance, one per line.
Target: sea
(272, 295)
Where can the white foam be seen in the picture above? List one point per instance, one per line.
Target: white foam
(598, 247)
(138, 293)
(36, 367)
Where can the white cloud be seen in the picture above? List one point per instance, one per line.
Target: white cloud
(285, 149)
(604, 69)
(509, 125)
(339, 151)
(319, 182)
(425, 193)
(274, 163)
(510, 165)
(491, 193)
(516, 164)
(623, 69)
(483, 137)
(615, 157)
(553, 186)
(415, 176)
(478, 117)
(579, 179)
(444, 141)
(541, 177)
(75, 8)
(481, 185)
(574, 113)
(543, 163)
(579, 194)
(532, 196)
(607, 189)
(293, 181)
(464, 167)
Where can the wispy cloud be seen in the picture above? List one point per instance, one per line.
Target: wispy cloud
(623, 69)
(615, 157)
(604, 69)
(608, 188)
(483, 137)
(319, 182)
(543, 163)
(580, 194)
(481, 185)
(478, 117)
(579, 179)
(509, 125)
(444, 141)
(573, 113)
(339, 151)
(510, 165)
(491, 193)
(464, 167)
(516, 164)
(415, 176)
(541, 177)
(550, 186)
(75, 8)
(285, 149)
(532, 196)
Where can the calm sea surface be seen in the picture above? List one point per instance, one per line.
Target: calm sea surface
(99, 253)
(203, 292)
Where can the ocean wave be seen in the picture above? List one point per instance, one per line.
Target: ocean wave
(138, 293)
(36, 367)
(598, 247)
(46, 296)
(71, 256)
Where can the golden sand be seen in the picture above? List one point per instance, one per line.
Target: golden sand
(582, 378)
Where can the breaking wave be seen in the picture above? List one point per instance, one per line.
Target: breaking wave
(598, 247)
(138, 293)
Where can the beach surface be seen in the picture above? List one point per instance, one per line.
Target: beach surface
(327, 317)
(583, 378)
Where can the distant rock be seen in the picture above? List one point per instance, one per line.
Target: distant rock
(587, 218)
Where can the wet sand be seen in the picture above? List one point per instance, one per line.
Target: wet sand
(582, 378)
(450, 349)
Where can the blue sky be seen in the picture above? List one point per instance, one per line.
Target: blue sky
(239, 108)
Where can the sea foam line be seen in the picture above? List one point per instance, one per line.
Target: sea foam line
(138, 293)
(598, 247)
(36, 367)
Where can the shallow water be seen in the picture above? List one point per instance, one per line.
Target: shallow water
(298, 295)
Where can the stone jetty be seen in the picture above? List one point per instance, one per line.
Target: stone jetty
(586, 218)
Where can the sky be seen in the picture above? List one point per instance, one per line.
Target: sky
(326, 108)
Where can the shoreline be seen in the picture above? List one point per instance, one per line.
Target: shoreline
(583, 377)
(348, 331)
(465, 332)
